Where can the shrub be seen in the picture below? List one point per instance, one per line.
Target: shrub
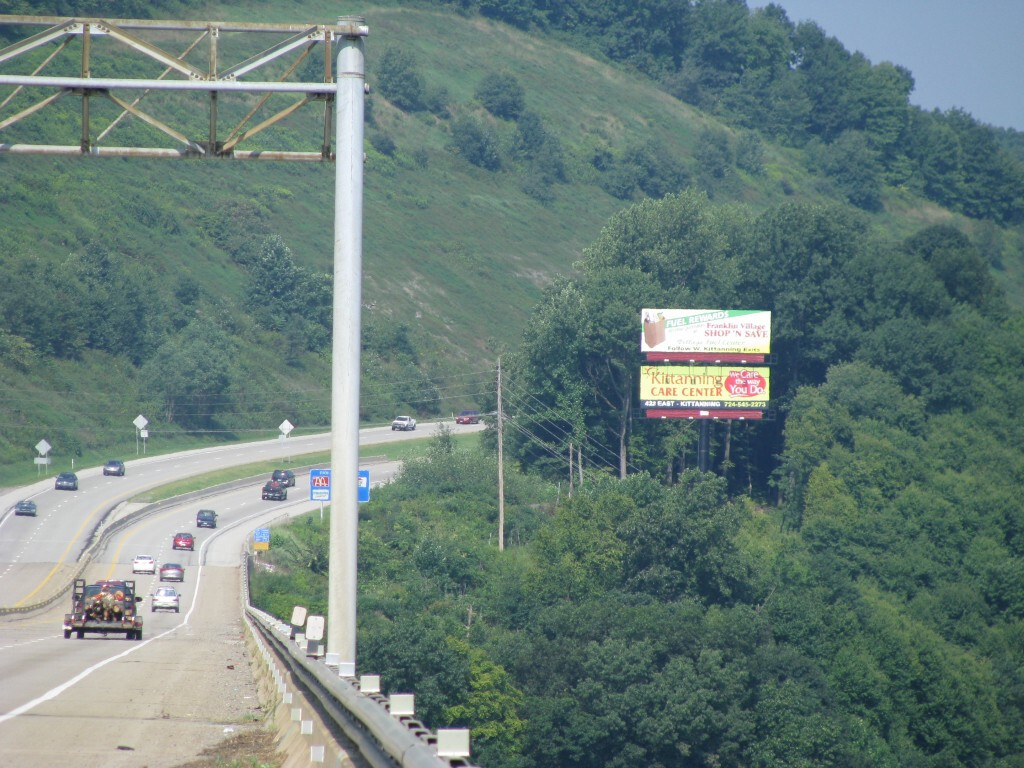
(501, 95)
(399, 81)
(476, 142)
(383, 143)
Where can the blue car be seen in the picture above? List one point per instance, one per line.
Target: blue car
(26, 507)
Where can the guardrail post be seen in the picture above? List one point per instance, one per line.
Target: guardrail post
(453, 742)
(402, 704)
(369, 683)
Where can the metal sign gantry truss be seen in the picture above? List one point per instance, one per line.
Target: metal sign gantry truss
(180, 72)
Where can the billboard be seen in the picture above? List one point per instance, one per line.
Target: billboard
(706, 331)
(704, 387)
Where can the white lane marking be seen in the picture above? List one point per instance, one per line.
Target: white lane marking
(28, 642)
(55, 692)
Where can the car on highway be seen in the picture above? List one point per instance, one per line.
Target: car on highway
(184, 541)
(403, 424)
(144, 564)
(274, 491)
(172, 572)
(114, 467)
(66, 481)
(206, 518)
(285, 477)
(468, 417)
(166, 599)
(25, 507)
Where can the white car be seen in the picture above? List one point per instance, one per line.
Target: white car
(403, 423)
(165, 598)
(143, 564)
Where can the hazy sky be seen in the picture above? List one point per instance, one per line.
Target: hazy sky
(962, 53)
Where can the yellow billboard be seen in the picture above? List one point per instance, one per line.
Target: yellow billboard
(704, 387)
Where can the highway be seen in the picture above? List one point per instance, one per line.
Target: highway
(110, 701)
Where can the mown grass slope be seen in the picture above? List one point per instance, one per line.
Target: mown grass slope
(457, 254)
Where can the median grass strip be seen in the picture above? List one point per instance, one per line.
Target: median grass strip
(397, 451)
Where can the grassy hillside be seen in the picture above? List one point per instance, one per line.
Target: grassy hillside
(455, 254)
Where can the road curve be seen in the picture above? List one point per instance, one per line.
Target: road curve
(159, 701)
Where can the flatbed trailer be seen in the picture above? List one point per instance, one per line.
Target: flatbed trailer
(106, 607)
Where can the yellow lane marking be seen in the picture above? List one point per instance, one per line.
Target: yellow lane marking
(63, 555)
(127, 535)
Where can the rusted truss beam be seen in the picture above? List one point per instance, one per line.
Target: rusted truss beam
(22, 94)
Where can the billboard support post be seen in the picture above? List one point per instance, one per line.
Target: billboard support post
(702, 446)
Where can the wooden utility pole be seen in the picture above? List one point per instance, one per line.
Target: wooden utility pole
(501, 471)
(571, 473)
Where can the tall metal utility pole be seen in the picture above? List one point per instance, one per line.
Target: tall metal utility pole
(348, 302)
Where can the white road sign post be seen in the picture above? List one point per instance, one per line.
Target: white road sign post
(42, 448)
(286, 427)
(140, 431)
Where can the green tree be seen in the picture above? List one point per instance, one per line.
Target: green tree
(191, 372)
(502, 95)
(414, 654)
(811, 430)
(798, 269)
(750, 154)
(491, 708)
(475, 141)
(237, 226)
(580, 554)
(652, 168)
(684, 545)
(399, 79)
(793, 728)
(957, 263)
(16, 351)
(713, 153)
(688, 247)
(531, 134)
(851, 163)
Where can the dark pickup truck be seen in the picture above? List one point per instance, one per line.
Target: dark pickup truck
(104, 607)
(274, 491)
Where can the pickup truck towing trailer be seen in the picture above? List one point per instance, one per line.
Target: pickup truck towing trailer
(104, 607)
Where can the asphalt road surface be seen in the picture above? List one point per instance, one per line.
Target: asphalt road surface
(187, 685)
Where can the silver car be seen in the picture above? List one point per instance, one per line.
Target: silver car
(172, 572)
(166, 599)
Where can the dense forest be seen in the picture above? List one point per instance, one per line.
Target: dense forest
(867, 613)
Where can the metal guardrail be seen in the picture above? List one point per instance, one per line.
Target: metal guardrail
(383, 739)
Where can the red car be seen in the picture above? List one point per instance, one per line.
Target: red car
(468, 417)
(184, 541)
